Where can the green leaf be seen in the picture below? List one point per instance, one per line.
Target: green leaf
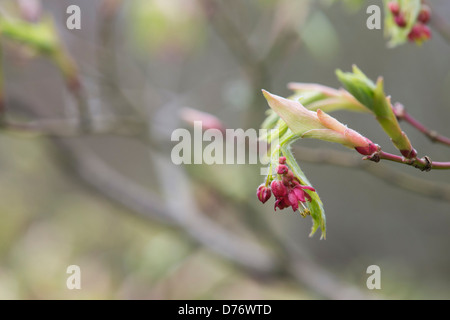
(359, 86)
(297, 117)
(374, 98)
(317, 214)
(334, 104)
(327, 135)
(307, 97)
(40, 37)
(386, 117)
(382, 106)
(271, 120)
(315, 206)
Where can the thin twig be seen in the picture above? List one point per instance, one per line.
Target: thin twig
(70, 127)
(424, 164)
(432, 189)
(440, 25)
(401, 113)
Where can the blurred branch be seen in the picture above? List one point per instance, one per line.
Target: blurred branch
(231, 35)
(287, 40)
(178, 210)
(120, 189)
(2, 85)
(239, 47)
(31, 10)
(106, 58)
(128, 126)
(256, 68)
(440, 24)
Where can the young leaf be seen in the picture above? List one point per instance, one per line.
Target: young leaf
(373, 97)
(297, 117)
(315, 206)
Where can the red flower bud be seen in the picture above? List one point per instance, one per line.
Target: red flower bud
(31, 10)
(394, 7)
(282, 169)
(368, 150)
(419, 32)
(400, 21)
(282, 160)
(263, 193)
(208, 121)
(409, 154)
(426, 32)
(425, 14)
(288, 177)
(287, 180)
(279, 189)
(289, 192)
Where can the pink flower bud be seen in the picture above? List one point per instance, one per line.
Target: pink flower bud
(282, 160)
(419, 33)
(263, 193)
(279, 189)
(425, 14)
(409, 154)
(400, 21)
(330, 122)
(31, 10)
(426, 32)
(288, 178)
(394, 7)
(208, 121)
(282, 169)
(367, 150)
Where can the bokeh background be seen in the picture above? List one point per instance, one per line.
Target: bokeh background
(142, 228)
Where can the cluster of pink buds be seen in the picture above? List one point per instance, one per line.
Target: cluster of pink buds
(420, 31)
(288, 191)
(399, 16)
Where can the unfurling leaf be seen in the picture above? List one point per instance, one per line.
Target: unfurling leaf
(373, 97)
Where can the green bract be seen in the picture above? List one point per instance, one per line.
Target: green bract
(373, 97)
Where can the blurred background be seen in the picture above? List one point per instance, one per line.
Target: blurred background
(87, 180)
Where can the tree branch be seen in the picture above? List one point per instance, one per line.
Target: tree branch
(424, 164)
(432, 189)
(401, 114)
(69, 127)
(440, 24)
